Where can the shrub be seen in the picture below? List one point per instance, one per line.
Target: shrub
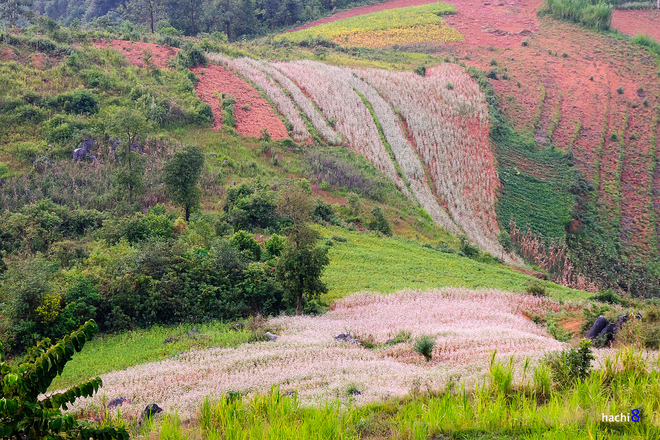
(244, 241)
(29, 113)
(274, 246)
(420, 70)
(492, 74)
(525, 42)
(607, 296)
(620, 90)
(571, 365)
(535, 287)
(25, 415)
(80, 101)
(469, 250)
(424, 345)
(493, 62)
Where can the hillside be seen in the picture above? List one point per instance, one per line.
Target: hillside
(336, 219)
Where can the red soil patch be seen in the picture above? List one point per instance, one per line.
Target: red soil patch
(7, 54)
(496, 23)
(38, 61)
(637, 22)
(328, 196)
(134, 51)
(253, 113)
(581, 110)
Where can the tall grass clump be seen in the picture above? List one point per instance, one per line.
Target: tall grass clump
(590, 13)
(424, 345)
(648, 42)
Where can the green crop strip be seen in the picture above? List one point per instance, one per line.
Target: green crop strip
(616, 224)
(601, 147)
(534, 181)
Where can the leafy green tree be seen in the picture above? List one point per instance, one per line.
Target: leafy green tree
(129, 125)
(12, 11)
(24, 415)
(301, 265)
(302, 262)
(182, 173)
(380, 222)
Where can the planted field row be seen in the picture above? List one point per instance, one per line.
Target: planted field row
(448, 118)
(414, 24)
(444, 162)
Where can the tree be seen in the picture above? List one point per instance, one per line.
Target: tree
(146, 11)
(302, 262)
(301, 265)
(182, 173)
(24, 415)
(12, 11)
(128, 125)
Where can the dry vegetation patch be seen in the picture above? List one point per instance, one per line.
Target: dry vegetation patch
(466, 325)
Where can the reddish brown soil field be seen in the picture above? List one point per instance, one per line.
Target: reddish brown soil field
(574, 103)
(134, 51)
(496, 23)
(253, 113)
(637, 22)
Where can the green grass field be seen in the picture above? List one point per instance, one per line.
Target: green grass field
(116, 352)
(369, 262)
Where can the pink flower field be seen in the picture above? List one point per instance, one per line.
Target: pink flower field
(467, 326)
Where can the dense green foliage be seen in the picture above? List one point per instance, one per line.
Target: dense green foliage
(47, 110)
(590, 13)
(171, 18)
(24, 415)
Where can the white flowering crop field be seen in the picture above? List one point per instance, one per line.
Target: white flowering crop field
(467, 326)
(447, 116)
(435, 126)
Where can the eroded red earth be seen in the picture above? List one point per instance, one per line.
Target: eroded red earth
(496, 23)
(253, 113)
(135, 51)
(637, 22)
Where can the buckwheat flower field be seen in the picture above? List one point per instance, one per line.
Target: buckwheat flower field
(467, 326)
(447, 116)
(338, 101)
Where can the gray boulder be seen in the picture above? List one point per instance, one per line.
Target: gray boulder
(608, 333)
(118, 401)
(598, 327)
(346, 337)
(213, 155)
(271, 336)
(151, 410)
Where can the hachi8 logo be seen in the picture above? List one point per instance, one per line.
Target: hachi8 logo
(634, 416)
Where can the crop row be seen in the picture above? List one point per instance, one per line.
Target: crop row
(414, 24)
(448, 118)
(244, 68)
(445, 113)
(338, 102)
